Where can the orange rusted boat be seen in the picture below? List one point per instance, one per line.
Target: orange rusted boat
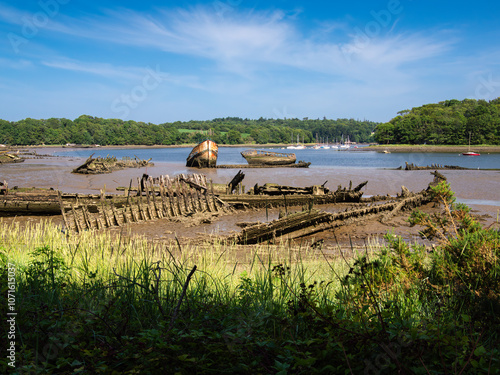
(204, 155)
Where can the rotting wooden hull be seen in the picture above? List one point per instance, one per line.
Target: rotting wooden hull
(204, 155)
(299, 164)
(262, 157)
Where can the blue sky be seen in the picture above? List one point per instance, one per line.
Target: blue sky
(165, 61)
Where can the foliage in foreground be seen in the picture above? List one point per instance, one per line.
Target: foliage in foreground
(98, 305)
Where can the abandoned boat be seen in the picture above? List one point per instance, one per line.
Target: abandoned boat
(204, 155)
(268, 157)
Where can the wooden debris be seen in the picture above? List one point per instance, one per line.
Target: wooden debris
(6, 157)
(299, 164)
(413, 167)
(312, 221)
(109, 164)
(172, 202)
(4, 188)
(235, 181)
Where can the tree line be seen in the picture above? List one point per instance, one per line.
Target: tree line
(450, 122)
(230, 130)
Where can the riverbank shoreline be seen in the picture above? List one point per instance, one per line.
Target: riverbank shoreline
(361, 147)
(431, 148)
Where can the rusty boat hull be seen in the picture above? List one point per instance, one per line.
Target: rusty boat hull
(263, 157)
(203, 155)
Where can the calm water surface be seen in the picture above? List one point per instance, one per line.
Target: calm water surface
(318, 158)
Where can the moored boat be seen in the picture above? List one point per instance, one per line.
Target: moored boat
(203, 155)
(471, 153)
(268, 157)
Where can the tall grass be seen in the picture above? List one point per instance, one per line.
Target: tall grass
(101, 303)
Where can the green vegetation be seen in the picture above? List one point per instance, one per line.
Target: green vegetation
(230, 130)
(93, 303)
(445, 123)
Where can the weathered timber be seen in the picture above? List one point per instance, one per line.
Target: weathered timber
(35, 203)
(4, 188)
(10, 158)
(84, 214)
(413, 167)
(109, 164)
(275, 189)
(235, 181)
(312, 221)
(279, 196)
(299, 164)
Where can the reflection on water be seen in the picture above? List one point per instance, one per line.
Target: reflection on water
(318, 158)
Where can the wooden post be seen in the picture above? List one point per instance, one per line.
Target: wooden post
(177, 199)
(163, 202)
(207, 201)
(115, 215)
(128, 192)
(192, 199)
(103, 212)
(267, 212)
(86, 219)
(75, 218)
(147, 190)
(185, 198)
(171, 202)
(63, 212)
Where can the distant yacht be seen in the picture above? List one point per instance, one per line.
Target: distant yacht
(470, 153)
(298, 146)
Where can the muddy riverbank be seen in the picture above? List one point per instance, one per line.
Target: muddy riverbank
(477, 188)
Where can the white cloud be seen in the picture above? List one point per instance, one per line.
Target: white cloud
(249, 61)
(251, 41)
(102, 69)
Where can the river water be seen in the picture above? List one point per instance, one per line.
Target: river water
(321, 158)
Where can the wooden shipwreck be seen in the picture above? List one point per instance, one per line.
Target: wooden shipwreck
(263, 157)
(6, 157)
(413, 167)
(273, 195)
(155, 198)
(109, 164)
(310, 221)
(203, 155)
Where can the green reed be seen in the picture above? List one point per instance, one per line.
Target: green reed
(98, 302)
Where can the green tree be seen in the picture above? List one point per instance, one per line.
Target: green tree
(233, 137)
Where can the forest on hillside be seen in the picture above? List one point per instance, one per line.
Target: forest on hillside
(450, 122)
(230, 130)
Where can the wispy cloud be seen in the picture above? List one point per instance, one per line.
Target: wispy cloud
(249, 61)
(106, 70)
(248, 40)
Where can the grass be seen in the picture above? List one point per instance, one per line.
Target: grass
(95, 303)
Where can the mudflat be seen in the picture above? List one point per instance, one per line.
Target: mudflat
(477, 188)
